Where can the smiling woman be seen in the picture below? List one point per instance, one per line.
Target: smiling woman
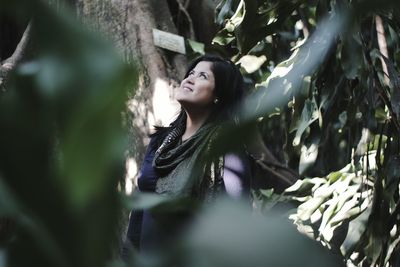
(198, 87)
(179, 161)
(197, 97)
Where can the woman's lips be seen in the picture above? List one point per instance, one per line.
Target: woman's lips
(187, 88)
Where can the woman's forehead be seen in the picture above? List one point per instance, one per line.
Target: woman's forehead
(203, 66)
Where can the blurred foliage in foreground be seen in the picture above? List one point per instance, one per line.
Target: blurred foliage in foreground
(344, 115)
(62, 144)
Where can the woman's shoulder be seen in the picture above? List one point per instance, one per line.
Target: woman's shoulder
(158, 136)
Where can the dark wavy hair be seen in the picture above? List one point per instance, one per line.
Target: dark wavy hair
(229, 89)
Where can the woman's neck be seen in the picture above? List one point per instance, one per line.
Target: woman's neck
(193, 123)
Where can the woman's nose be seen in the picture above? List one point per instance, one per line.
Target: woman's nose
(189, 79)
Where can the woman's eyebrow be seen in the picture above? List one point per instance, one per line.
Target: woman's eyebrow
(204, 72)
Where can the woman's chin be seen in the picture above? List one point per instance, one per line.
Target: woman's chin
(182, 100)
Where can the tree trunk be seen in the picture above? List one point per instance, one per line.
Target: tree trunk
(128, 24)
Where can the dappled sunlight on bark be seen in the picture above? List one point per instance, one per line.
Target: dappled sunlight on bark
(131, 175)
(164, 105)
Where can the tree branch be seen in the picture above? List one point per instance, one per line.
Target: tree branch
(274, 173)
(187, 3)
(393, 217)
(380, 32)
(20, 51)
(182, 9)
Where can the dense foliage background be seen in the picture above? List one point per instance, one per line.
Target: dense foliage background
(325, 97)
(341, 122)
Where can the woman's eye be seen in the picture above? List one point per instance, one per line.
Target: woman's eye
(203, 75)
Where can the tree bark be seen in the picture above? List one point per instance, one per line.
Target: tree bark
(128, 24)
(380, 31)
(202, 13)
(10, 63)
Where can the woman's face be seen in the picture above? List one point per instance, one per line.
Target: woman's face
(197, 89)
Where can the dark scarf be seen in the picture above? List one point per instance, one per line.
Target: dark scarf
(187, 168)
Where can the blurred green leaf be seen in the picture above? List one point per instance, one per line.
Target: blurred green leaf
(63, 146)
(230, 235)
(14, 210)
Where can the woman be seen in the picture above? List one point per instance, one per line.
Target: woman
(179, 161)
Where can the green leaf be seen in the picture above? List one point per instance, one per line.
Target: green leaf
(305, 210)
(196, 47)
(357, 228)
(308, 156)
(305, 185)
(251, 63)
(334, 176)
(325, 229)
(349, 209)
(381, 115)
(225, 9)
(223, 38)
(308, 116)
(392, 175)
(351, 57)
(392, 249)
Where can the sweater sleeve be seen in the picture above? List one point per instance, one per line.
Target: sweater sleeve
(146, 182)
(148, 177)
(236, 175)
